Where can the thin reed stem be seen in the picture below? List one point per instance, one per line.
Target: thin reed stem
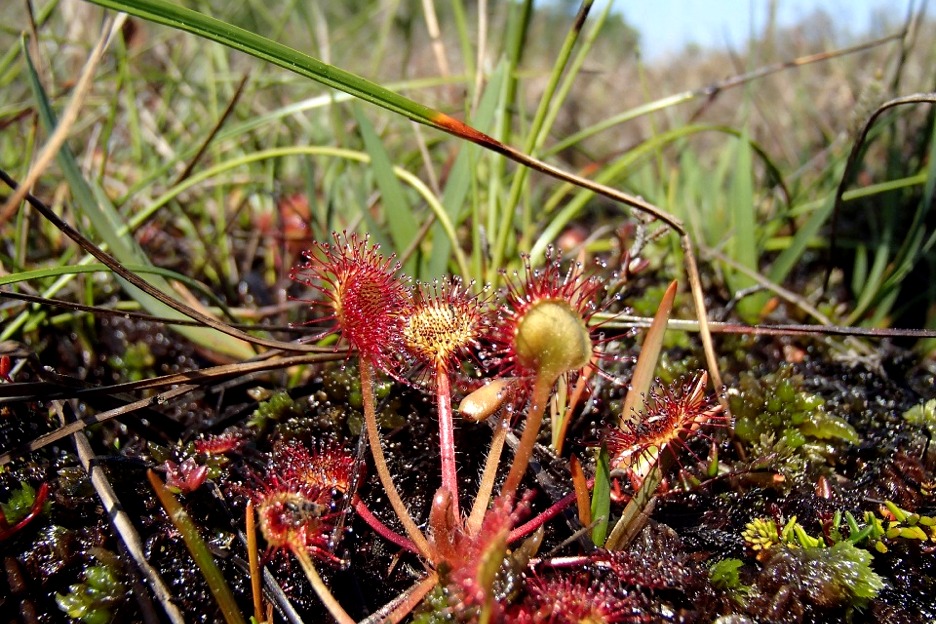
(403, 604)
(253, 558)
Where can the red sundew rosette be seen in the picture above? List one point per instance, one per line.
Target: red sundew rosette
(294, 516)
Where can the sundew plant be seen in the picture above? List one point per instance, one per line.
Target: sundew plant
(386, 311)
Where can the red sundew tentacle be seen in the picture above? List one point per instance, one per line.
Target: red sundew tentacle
(447, 438)
(475, 558)
(296, 499)
(573, 597)
(380, 463)
(571, 289)
(330, 467)
(221, 444)
(444, 325)
(545, 331)
(291, 517)
(369, 303)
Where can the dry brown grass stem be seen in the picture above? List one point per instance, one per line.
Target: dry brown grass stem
(68, 118)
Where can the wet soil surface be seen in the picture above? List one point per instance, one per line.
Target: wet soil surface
(759, 522)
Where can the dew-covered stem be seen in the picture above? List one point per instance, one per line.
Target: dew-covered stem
(380, 462)
(447, 437)
(540, 397)
(487, 478)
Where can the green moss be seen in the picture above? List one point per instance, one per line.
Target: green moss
(851, 569)
(923, 416)
(277, 408)
(777, 404)
(434, 609)
(136, 363)
(839, 577)
(20, 503)
(93, 600)
(342, 385)
(725, 574)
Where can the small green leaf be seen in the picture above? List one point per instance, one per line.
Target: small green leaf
(601, 499)
(823, 426)
(852, 566)
(923, 416)
(724, 574)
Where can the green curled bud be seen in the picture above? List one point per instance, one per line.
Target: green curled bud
(552, 339)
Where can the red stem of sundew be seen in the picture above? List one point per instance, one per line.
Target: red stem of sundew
(539, 399)
(554, 510)
(380, 462)
(382, 529)
(447, 437)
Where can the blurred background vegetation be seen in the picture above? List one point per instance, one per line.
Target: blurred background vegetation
(746, 146)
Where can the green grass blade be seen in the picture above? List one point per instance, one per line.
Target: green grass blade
(93, 203)
(808, 232)
(624, 166)
(174, 16)
(199, 551)
(36, 274)
(871, 289)
(519, 19)
(911, 249)
(621, 118)
(398, 212)
(468, 54)
(860, 267)
(322, 151)
(459, 183)
(743, 248)
(275, 117)
(569, 80)
(601, 499)
(163, 12)
(536, 135)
